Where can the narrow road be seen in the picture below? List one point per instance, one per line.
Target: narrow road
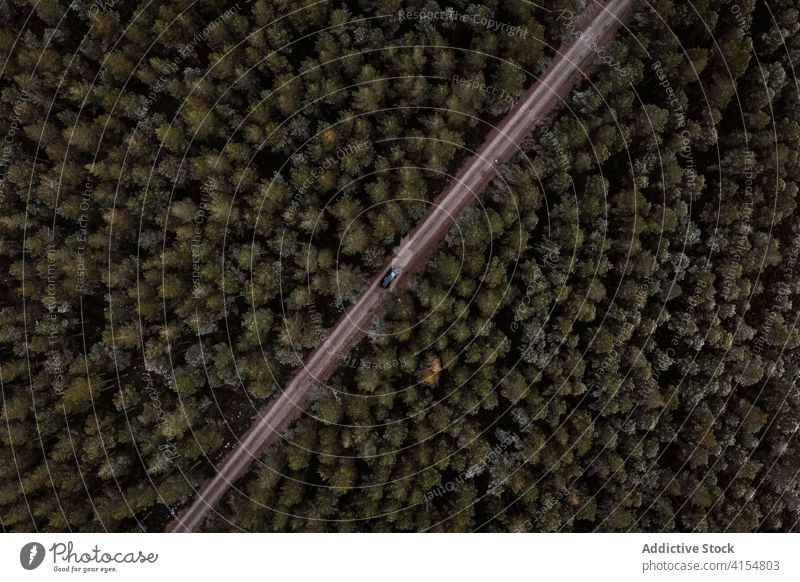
(599, 22)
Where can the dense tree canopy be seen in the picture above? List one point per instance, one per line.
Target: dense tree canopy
(192, 192)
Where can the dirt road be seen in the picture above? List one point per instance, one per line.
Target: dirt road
(598, 22)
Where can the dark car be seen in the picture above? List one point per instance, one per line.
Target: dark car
(389, 277)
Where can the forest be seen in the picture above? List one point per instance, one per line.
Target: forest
(192, 192)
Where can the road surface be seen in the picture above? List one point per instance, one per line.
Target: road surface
(599, 23)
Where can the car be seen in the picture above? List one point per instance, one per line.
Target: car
(389, 277)
(497, 161)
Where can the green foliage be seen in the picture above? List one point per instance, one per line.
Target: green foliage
(606, 342)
